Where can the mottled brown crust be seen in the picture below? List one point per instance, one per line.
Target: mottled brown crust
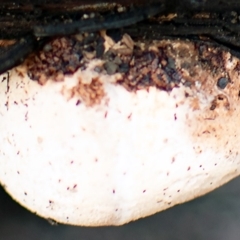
(58, 57)
(151, 63)
(164, 64)
(91, 93)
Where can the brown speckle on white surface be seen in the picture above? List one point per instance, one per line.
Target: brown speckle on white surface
(138, 127)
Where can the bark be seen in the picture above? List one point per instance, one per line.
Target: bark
(18, 17)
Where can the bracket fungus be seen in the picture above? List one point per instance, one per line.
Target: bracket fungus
(122, 137)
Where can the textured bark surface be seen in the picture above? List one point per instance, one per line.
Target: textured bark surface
(19, 17)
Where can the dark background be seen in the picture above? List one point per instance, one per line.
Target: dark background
(215, 216)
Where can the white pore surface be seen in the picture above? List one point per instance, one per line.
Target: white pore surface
(131, 156)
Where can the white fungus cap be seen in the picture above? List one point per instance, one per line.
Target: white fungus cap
(87, 150)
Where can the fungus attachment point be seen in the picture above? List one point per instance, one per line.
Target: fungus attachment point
(115, 135)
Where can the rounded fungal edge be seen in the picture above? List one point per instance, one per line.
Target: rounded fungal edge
(110, 178)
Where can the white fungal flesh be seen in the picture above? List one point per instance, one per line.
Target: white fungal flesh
(132, 155)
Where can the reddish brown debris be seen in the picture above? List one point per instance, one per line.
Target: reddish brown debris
(164, 64)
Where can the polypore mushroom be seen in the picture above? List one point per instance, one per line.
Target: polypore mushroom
(130, 133)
